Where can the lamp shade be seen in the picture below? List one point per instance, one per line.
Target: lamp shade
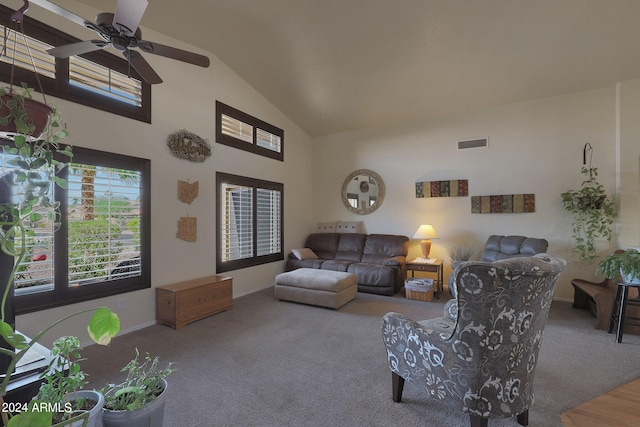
(425, 232)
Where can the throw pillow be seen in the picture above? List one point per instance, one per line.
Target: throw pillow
(326, 227)
(304, 253)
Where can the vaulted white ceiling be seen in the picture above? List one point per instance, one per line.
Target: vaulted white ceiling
(337, 65)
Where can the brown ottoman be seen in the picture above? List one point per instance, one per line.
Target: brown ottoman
(326, 288)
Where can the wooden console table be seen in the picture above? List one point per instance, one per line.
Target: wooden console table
(182, 303)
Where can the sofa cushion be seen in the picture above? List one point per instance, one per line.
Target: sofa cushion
(304, 253)
(350, 247)
(336, 265)
(372, 274)
(325, 245)
(502, 247)
(380, 247)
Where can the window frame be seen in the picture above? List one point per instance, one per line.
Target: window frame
(62, 294)
(225, 178)
(221, 138)
(60, 86)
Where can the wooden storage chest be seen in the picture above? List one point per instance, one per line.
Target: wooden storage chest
(185, 302)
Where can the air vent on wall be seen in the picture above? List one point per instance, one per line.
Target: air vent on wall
(473, 143)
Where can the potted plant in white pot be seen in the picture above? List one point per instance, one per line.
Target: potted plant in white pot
(63, 383)
(624, 264)
(139, 400)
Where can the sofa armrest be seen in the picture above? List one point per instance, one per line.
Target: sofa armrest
(397, 261)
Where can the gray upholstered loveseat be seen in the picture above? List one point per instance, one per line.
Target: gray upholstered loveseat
(378, 260)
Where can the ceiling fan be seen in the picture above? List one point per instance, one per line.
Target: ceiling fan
(120, 30)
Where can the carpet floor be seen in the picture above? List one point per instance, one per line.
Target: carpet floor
(274, 363)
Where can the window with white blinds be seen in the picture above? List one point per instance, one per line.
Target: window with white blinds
(28, 53)
(104, 81)
(103, 218)
(249, 222)
(96, 79)
(240, 130)
(99, 243)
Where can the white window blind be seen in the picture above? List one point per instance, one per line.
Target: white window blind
(268, 140)
(268, 221)
(105, 81)
(17, 48)
(104, 224)
(237, 227)
(237, 129)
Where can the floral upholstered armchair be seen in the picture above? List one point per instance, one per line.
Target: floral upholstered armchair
(481, 356)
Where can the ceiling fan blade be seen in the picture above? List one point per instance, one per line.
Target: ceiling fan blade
(128, 15)
(142, 67)
(79, 48)
(59, 11)
(174, 53)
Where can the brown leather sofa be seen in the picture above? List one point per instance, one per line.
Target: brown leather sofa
(378, 260)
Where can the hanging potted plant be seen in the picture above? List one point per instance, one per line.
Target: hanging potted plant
(593, 212)
(138, 401)
(621, 264)
(21, 114)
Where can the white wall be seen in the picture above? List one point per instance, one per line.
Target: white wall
(629, 163)
(534, 147)
(186, 100)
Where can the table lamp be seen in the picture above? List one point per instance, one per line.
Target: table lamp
(424, 233)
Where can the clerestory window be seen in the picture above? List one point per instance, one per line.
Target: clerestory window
(240, 130)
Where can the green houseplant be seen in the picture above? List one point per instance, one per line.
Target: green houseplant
(621, 263)
(34, 161)
(63, 383)
(140, 399)
(593, 214)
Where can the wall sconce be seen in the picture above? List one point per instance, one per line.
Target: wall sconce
(424, 233)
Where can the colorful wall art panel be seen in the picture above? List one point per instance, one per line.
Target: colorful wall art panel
(451, 188)
(505, 203)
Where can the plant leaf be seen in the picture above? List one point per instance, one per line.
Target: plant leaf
(16, 340)
(32, 418)
(103, 326)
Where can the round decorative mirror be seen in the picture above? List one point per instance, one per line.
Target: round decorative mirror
(363, 191)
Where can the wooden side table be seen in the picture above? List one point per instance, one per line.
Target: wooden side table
(435, 267)
(619, 308)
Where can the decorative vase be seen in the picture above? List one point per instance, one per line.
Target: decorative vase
(151, 415)
(37, 114)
